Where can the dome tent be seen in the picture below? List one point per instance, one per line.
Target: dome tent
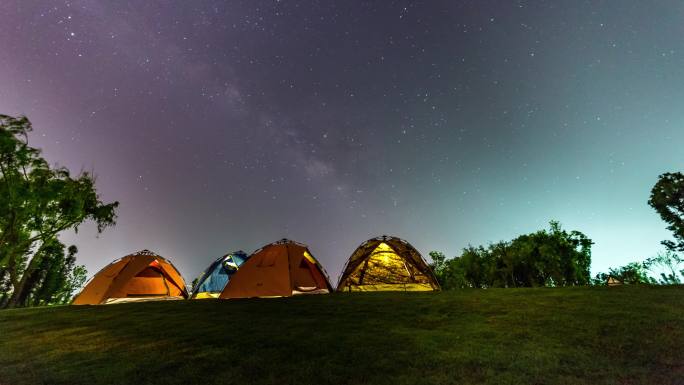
(140, 276)
(280, 269)
(214, 279)
(387, 263)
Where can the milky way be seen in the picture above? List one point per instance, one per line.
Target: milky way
(228, 125)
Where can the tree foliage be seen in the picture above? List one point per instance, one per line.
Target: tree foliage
(448, 274)
(551, 257)
(667, 198)
(56, 278)
(37, 202)
(667, 266)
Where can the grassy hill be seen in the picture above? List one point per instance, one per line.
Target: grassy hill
(620, 335)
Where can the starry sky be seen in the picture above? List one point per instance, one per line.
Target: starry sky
(228, 125)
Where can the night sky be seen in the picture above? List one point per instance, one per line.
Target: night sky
(228, 125)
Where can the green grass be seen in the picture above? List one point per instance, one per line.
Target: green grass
(620, 335)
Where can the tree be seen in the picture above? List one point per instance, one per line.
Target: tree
(473, 262)
(667, 198)
(37, 202)
(667, 265)
(544, 258)
(56, 279)
(438, 265)
(438, 261)
(449, 273)
(549, 258)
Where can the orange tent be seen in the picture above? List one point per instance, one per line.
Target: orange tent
(140, 276)
(281, 269)
(387, 264)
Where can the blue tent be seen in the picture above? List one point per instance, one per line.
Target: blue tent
(211, 282)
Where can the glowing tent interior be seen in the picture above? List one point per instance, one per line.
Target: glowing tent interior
(214, 279)
(140, 276)
(280, 269)
(387, 264)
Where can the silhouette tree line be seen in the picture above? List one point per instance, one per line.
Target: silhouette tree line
(553, 257)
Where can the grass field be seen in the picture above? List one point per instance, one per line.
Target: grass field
(620, 335)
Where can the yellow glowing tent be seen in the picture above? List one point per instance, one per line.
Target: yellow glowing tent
(280, 269)
(387, 264)
(141, 276)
